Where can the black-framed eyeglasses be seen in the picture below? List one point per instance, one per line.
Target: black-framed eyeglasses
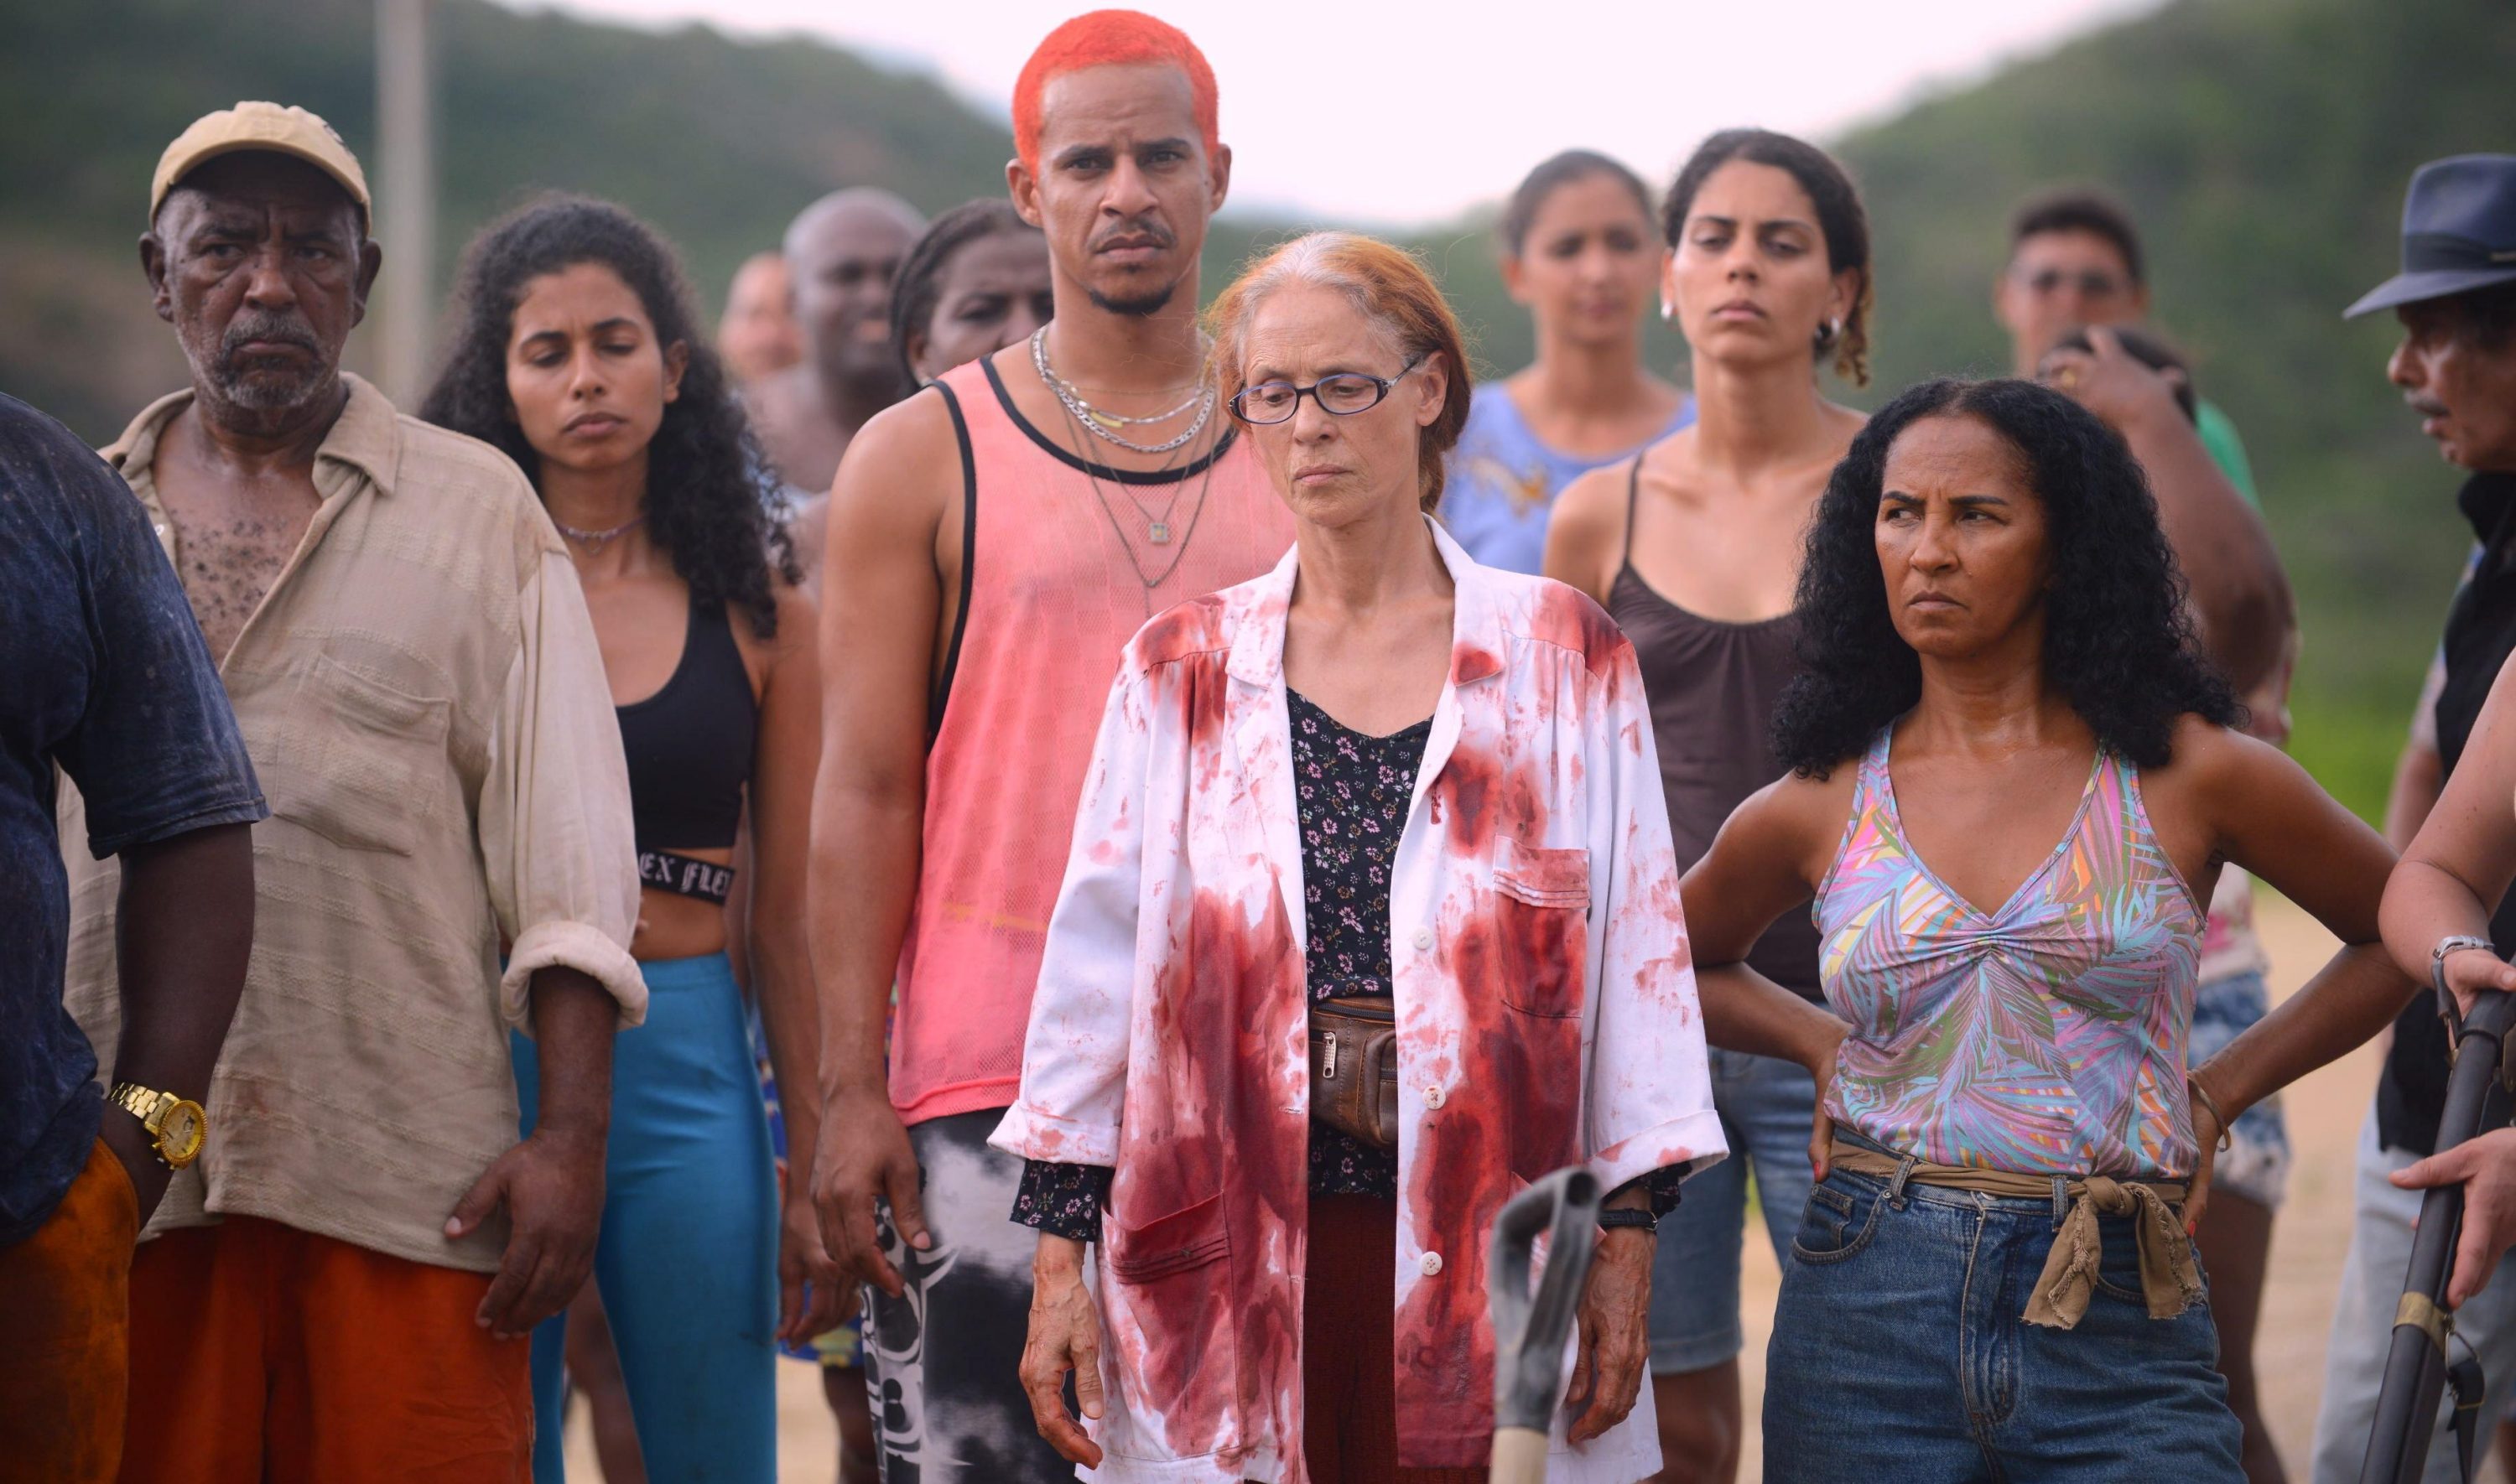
(1344, 395)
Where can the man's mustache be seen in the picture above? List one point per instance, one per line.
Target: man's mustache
(273, 329)
(1159, 234)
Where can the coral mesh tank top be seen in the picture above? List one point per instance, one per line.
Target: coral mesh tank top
(1049, 597)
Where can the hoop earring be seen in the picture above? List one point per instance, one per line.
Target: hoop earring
(1827, 332)
(1667, 308)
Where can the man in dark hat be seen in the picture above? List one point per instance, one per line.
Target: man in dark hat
(2457, 365)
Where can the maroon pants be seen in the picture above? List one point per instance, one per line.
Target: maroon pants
(1349, 1348)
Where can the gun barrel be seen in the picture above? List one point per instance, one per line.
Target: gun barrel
(2415, 1368)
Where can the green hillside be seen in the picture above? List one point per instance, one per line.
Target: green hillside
(2264, 142)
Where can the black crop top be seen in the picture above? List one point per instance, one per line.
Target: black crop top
(689, 748)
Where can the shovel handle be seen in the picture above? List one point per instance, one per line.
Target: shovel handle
(1533, 1321)
(1519, 1456)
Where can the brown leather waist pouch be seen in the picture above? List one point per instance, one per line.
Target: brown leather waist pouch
(1354, 1067)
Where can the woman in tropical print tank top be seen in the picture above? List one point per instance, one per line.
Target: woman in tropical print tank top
(2014, 784)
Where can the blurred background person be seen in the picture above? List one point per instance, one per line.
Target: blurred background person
(2075, 263)
(1581, 253)
(2455, 366)
(757, 338)
(2252, 1175)
(975, 283)
(579, 356)
(1693, 548)
(842, 253)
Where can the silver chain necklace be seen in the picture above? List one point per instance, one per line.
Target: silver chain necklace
(1158, 532)
(1104, 425)
(594, 540)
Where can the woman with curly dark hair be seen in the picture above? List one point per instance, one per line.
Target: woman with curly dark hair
(1693, 548)
(579, 356)
(1993, 1277)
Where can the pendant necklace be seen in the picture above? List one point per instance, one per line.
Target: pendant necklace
(1162, 528)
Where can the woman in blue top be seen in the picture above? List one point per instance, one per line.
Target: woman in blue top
(1581, 251)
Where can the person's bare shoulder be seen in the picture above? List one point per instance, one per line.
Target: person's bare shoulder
(1798, 818)
(904, 465)
(2208, 753)
(796, 616)
(2216, 774)
(1584, 527)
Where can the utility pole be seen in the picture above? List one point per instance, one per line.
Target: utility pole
(407, 204)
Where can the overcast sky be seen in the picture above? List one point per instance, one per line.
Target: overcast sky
(1464, 104)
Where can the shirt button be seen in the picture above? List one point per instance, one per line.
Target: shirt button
(1434, 1096)
(1423, 939)
(1430, 1265)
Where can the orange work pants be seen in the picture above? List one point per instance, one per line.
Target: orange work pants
(261, 1352)
(61, 1338)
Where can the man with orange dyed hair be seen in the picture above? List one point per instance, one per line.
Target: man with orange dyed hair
(993, 542)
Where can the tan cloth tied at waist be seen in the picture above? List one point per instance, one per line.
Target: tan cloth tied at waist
(2168, 1279)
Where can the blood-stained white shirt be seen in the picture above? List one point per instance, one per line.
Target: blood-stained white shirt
(1546, 1015)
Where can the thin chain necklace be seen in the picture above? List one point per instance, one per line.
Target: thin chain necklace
(1104, 425)
(1195, 513)
(596, 541)
(1157, 528)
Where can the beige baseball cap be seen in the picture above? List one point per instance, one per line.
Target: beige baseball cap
(289, 130)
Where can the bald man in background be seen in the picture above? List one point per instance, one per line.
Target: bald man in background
(841, 254)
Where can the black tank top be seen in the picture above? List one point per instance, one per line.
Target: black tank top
(691, 744)
(1712, 688)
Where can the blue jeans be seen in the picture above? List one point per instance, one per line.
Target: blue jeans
(1765, 1106)
(1899, 1353)
(686, 1261)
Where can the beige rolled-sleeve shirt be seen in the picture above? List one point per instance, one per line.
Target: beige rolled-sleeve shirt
(422, 695)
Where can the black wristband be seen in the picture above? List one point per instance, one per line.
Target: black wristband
(1609, 1220)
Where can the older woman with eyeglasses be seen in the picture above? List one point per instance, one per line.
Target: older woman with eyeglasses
(1371, 919)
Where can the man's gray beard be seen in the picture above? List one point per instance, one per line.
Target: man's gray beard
(265, 393)
(1142, 307)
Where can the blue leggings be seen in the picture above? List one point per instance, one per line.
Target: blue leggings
(687, 1262)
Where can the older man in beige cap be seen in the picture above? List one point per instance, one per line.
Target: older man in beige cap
(339, 1289)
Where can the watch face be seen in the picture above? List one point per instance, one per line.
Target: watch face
(181, 1132)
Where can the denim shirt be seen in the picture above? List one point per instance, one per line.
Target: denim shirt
(103, 671)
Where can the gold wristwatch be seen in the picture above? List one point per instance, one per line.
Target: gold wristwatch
(177, 1125)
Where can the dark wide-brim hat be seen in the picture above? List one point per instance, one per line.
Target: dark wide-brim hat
(2458, 233)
